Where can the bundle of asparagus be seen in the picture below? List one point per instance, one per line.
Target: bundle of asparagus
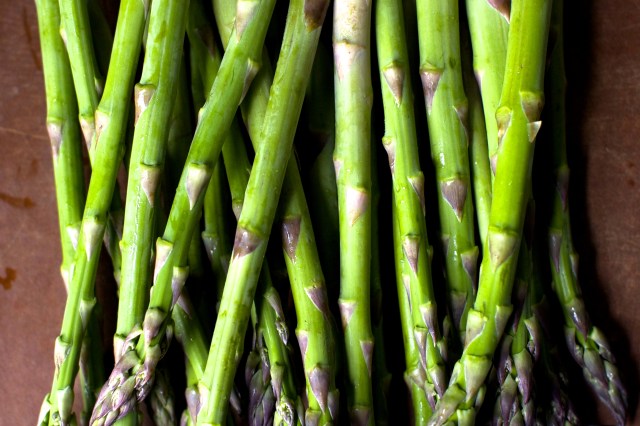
(205, 89)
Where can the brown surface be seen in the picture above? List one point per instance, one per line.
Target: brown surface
(604, 76)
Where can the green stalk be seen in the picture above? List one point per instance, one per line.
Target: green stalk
(481, 177)
(298, 49)
(111, 116)
(236, 72)
(447, 115)
(65, 139)
(408, 187)
(315, 327)
(489, 26)
(321, 192)
(588, 344)
(352, 159)
(518, 120)
(154, 94)
(421, 407)
(76, 33)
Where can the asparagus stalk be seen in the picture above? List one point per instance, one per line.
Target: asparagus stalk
(322, 191)
(588, 344)
(481, 178)
(76, 32)
(518, 119)
(408, 187)
(489, 26)
(298, 49)
(421, 406)
(111, 115)
(352, 159)
(236, 72)
(315, 333)
(447, 115)
(162, 398)
(65, 139)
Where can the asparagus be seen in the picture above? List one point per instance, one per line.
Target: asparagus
(111, 113)
(519, 351)
(414, 376)
(518, 120)
(481, 178)
(322, 192)
(162, 399)
(587, 343)
(488, 23)
(236, 72)
(408, 188)
(299, 44)
(64, 136)
(314, 330)
(447, 114)
(352, 159)
(76, 32)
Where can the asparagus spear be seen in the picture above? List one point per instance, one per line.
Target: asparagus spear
(298, 48)
(162, 398)
(76, 32)
(236, 72)
(315, 333)
(65, 139)
(588, 344)
(111, 113)
(408, 188)
(488, 23)
(481, 178)
(518, 119)
(447, 113)
(352, 159)
(414, 376)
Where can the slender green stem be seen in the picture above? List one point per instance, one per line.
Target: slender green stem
(352, 159)
(489, 26)
(65, 139)
(409, 203)
(481, 177)
(421, 407)
(111, 114)
(518, 120)
(76, 32)
(254, 225)
(315, 327)
(154, 96)
(447, 117)
(588, 344)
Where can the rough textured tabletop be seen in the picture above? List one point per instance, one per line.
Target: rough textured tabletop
(604, 132)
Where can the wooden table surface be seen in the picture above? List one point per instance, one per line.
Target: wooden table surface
(603, 67)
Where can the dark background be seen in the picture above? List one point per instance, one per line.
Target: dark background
(603, 71)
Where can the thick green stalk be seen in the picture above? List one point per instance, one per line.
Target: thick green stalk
(315, 327)
(421, 407)
(588, 344)
(489, 26)
(111, 115)
(518, 120)
(76, 33)
(409, 204)
(447, 116)
(294, 66)
(352, 159)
